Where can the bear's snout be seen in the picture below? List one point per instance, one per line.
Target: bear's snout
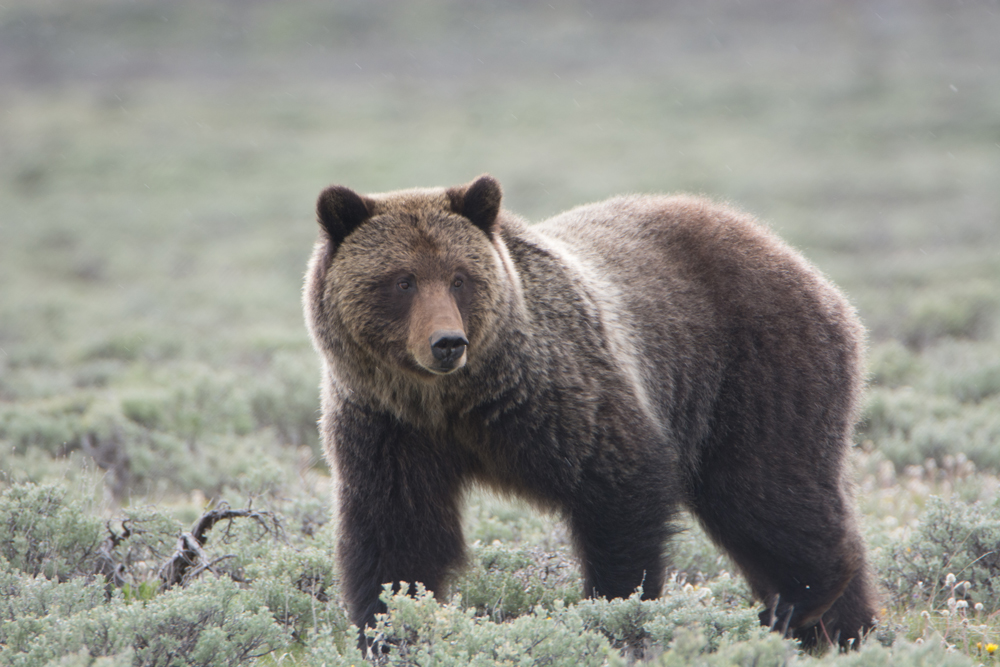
(448, 347)
(437, 338)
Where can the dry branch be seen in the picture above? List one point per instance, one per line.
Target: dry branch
(107, 564)
(190, 559)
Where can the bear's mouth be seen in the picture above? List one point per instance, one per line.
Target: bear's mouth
(446, 367)
(429, 368)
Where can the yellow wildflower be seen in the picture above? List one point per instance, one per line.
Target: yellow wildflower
(991, 648)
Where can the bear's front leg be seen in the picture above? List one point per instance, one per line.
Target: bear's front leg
(399, 510)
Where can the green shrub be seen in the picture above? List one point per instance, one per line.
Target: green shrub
(53, 426)
(197, 430)
(248, 466)
(763, 649)
(633, 621)
(82, 658)
(262, 593)
(767, 649)
(139, 540)
(146, 411)
(285, 398)
(891, 364)
(297, 581)
(206, 403)
(121, 347)
(968, 314)
(968, 371)
(902, 654)
(508, 581)
(488, 517)
(954, 542)
(326, 646)
(43, 535)
(694, 556)
(895, 412)
(420, 631)
(974, 385)
(910, 426)
(98, 373)
(307, 515)
(210, 622)
(44, 620)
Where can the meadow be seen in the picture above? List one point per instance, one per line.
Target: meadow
(159, 165)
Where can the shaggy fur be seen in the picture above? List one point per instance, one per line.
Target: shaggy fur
(621, 360)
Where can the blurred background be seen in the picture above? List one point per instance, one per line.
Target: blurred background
(160, 160)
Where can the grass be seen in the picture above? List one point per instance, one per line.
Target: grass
(161, 161)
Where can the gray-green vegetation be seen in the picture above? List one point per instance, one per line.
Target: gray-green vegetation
(159, 167)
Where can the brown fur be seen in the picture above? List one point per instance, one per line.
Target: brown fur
(623, 359)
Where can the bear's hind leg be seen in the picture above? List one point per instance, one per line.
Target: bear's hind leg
(793, 536)
(848, 619)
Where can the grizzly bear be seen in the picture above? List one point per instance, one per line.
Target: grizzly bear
(614, 364)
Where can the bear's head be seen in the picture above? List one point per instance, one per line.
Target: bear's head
(410, 280)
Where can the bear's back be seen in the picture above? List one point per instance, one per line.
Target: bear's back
(689, 243)
(707, 264)
(706, 296)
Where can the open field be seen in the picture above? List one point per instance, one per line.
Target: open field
(159, 163)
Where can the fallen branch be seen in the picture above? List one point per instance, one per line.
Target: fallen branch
(189, 558)
(107, 564)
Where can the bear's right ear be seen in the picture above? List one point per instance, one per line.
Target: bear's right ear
(340, 210)
(479, 201)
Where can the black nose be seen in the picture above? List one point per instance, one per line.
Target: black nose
(448, 345)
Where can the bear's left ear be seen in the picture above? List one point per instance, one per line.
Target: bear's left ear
(478, 201)
(340, 210)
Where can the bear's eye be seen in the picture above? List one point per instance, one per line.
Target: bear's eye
(404, 284)
(457, 283)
